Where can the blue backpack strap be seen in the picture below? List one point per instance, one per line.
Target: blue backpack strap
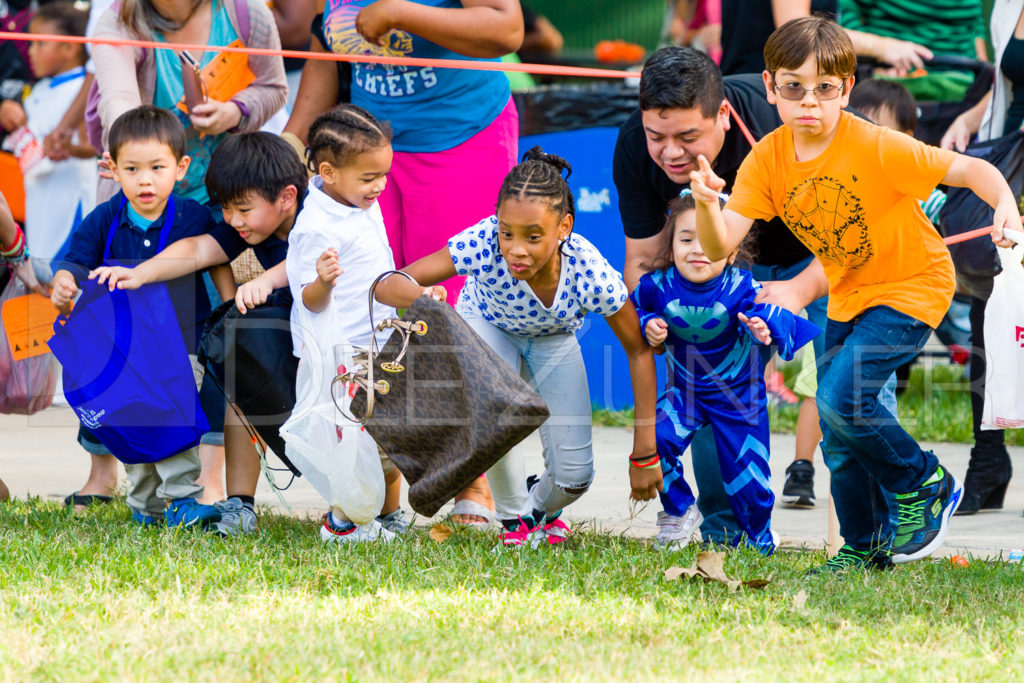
(165, 230)
(113, 228)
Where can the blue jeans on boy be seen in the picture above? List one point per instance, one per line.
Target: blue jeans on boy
(864, 446)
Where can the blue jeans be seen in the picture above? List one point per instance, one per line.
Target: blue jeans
(720, 523)
(865, 448)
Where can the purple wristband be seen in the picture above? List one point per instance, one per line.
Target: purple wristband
(245, 116)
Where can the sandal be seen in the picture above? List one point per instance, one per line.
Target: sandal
(464, 511)
(87, 499)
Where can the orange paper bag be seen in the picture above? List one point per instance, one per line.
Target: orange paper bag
(225, 76)
(28, 323)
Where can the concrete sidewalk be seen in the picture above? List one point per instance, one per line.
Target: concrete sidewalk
(39, 456)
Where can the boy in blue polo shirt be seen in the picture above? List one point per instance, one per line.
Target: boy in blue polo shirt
(147, 149)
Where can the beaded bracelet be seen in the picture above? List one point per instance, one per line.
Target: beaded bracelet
(17, 253)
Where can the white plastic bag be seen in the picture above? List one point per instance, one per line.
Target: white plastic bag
(1004, 342)
(338, 457)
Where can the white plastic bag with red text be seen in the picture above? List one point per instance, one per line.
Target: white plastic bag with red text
(1004, 342)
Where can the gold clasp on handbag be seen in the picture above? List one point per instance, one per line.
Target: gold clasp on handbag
(381, 386)
(392, 367)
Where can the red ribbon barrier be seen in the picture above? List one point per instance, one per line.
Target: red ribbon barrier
(541, 69)
(969, 235)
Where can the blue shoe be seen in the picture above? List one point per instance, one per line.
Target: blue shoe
(924, 516)
(144, 520)
(186, 512)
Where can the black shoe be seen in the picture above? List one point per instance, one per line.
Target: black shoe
(988, 475)
(798, 491)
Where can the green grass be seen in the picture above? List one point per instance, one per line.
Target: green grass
(93, 598)
(935, 407)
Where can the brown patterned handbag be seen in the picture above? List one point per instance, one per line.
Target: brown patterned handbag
(445, 406)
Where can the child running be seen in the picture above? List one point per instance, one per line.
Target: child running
(531, 283)
(850, 191)
(147, 150)
(339, 239)
(702, 313)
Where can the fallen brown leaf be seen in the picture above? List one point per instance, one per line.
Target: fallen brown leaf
(710, 566)
(441, 532)
(673, 573)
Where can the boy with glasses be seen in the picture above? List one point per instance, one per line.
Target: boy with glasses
(849, 190)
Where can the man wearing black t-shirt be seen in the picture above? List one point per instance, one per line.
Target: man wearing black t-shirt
(684, 112)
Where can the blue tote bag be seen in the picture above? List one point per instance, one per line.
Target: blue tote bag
(127, 374)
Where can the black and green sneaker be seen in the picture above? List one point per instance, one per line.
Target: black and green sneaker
(850, 559)
(924, 516)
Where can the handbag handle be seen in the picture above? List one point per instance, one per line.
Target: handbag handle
(364, 378)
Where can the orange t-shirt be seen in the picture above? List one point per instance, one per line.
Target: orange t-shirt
(856, 207)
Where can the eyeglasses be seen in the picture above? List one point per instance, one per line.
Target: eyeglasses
(822, 91)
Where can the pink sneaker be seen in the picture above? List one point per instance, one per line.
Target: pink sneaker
(515, 538)
(557, 531)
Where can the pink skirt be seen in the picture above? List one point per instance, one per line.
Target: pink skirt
(430, 196)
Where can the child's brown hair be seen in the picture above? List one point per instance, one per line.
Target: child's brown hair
(743, 257)
(796, 41)
(65, 20)
(874, 95)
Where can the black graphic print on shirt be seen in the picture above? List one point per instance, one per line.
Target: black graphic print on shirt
(829, 219)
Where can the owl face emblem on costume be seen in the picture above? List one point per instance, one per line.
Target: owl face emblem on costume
(696, 324)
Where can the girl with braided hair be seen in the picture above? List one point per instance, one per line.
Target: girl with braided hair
(531, 281)
(339, 239)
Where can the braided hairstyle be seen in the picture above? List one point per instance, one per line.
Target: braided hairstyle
(540, 176)
(341, 134)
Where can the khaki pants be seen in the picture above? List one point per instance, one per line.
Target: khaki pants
(152, 485)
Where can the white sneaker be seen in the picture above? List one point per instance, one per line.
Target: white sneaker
(235, 518)
(366, 533)
(675, 533)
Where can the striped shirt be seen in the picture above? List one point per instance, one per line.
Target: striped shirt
(946, 27)
(933, 205)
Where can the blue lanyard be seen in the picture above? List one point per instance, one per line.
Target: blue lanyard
(67, 76)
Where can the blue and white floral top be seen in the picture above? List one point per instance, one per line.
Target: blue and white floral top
(588, 284)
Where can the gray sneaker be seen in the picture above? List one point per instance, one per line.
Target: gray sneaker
(675, 533)
(235, 518)
(395, 521)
